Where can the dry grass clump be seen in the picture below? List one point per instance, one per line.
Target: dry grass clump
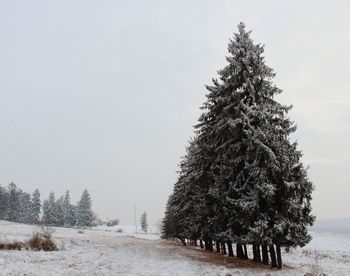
(15, 245)
(315, 268)
(38, 243)
(42, 239)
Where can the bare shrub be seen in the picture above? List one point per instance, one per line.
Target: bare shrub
(15, 245)
(120, 230)
(315, 267)
(81, 231)
(48, 245)
(45, 231)
(42, 239)
(35, 242)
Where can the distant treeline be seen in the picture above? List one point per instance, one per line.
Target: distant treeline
(19, 206)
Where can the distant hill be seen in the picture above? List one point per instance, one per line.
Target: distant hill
(333, 225)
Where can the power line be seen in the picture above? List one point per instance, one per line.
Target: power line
(24, 141)
(28, 160)
(25, 158)
(10, 166)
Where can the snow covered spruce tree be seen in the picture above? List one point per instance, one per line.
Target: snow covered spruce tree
(24, 207)
(35, 207)
(59, 211)
(3, 203)
(187, 212)
(68, 214)
(16, 205)
(144, 224)
(255, 188)
(49, 210)
(84, 211)
(13, 202)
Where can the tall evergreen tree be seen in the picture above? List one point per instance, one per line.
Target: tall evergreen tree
(85, 215)
(24, 207)
(144, 224)
(75, 214)
(187, 212)
(45, 207)
(256, 168)
(49, 210)
(68, 214)
(253, 187)
(3, 203)
(35, 207)
(13, 203)
(59, 211)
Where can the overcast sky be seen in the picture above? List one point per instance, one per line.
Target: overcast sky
(103, 94)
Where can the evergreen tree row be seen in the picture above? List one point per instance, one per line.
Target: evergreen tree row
(19, 206)
(242, 181)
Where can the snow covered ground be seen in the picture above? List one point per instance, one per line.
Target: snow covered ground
(106, 251)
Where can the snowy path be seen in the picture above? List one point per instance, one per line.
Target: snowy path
(105, 256)
(97, 252)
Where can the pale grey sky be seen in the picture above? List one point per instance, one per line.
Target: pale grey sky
(103, 94)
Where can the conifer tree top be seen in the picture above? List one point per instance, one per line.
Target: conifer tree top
(246, 66)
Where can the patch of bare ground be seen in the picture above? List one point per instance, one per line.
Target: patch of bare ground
(198, 254)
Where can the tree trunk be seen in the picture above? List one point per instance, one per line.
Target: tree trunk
(230, 249)
(195, 243)
(217, 247)
(183, 241)
(210, 245)
(201, 243)
(279, 256)
(254, 252)
(273, 256)
(258, 254)
(239, 251)
(206, 244)
(265, 254)
(223, 248)
(245, 252)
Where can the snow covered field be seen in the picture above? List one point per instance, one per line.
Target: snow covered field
(104, 251)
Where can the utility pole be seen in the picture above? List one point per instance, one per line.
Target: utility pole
(135, 220)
